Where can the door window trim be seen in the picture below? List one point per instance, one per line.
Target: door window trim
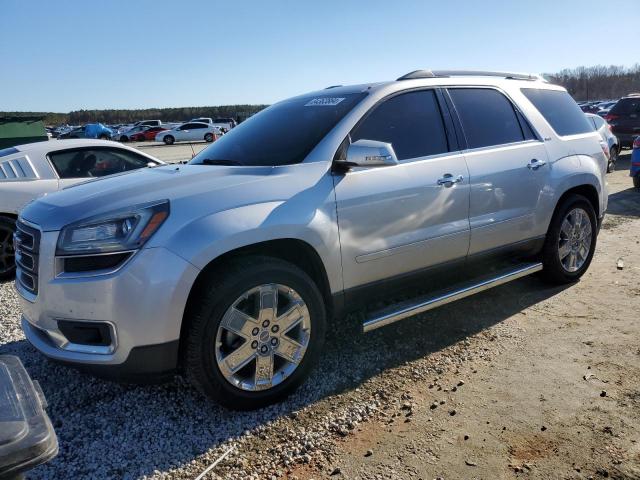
(517, 110)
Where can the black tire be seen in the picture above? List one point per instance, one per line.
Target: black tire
(124, 138)
(214, 296)
(613, 158)
(636, 181)
(104, 137)
(168, 139)
(554, 271)
(208, 137)
(7, 256)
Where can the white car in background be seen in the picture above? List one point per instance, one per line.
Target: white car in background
(34, 169)
(189, 132)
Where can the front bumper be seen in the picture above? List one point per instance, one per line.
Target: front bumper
(143, 303)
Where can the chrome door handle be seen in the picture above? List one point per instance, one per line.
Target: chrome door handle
(448, 180)
(535, 164)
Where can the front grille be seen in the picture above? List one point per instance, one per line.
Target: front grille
(27, 247)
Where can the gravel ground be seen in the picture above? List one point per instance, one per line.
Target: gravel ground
(364, 386)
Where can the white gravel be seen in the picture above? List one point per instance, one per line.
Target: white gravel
(107, 430)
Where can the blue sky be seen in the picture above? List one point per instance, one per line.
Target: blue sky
(68, 55)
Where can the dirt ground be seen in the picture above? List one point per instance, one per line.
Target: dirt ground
(551, 388)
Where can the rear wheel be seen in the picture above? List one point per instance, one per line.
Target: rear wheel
(7, 254)
(124, 138)
(208, 137)
(168, 139)
(104, 137)
(570, 241)
(255, 333)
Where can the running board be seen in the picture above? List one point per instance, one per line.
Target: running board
(393, 314)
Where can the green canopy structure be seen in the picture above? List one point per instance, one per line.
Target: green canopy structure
(19, 130)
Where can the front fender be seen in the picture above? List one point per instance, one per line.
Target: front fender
(309, 217)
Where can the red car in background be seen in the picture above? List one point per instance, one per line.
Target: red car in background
(148, 135)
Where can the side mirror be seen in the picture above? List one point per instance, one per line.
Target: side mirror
(369, 153)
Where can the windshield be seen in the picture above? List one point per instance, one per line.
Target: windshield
(282, 134)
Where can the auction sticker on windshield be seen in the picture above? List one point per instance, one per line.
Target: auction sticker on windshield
(324, 102)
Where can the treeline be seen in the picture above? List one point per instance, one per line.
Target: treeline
(599, 82)
(111, 117)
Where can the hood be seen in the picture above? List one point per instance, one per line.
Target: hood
(192, 190)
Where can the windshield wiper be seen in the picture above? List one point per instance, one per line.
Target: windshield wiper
(212, 161)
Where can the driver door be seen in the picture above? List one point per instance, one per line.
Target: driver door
(399, 219)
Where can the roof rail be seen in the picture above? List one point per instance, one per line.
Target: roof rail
(417, 74)
(332, 86)
(465, 73)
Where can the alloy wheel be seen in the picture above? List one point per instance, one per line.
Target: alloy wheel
(575, 239)
(263, 337)
(7, 254)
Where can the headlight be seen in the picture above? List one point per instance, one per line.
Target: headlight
(116, 232)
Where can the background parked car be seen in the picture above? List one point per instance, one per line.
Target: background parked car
(147, 135)
(90, 130)
(125, 135)
(148, 123)
(224, 124)
(191, 131)
(604, 129)
(624, 118)
(28, 171)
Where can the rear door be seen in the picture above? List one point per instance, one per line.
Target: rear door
(398, 219)
(508, 168)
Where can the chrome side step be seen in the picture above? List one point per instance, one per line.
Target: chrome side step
(393, 314)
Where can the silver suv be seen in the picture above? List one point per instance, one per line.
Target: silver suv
(228, 268)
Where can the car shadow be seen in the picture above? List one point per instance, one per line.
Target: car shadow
(137, 430)
(625, 203)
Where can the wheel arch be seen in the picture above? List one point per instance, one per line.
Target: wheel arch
(292, 250)
(586, 190)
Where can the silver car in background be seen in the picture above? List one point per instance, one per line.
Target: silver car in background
(231, 267)
(35, 169)
(609, 139)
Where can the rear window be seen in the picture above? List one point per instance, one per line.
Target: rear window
(626, 106)
(560, 110)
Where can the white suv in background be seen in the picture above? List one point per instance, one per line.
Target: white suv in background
(230, 267)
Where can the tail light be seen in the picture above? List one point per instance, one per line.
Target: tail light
(605, 149)
(636, 143)
(609, 117)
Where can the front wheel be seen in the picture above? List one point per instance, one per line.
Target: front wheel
(254, 333)
(208, 137)
(7, 254)
(104, 137)
(570, 241)
(636, 181)
(168, 140)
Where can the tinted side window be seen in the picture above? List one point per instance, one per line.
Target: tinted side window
(560, 110)
(410, 122)
(186, 126)
(487, 117)
(97, 162)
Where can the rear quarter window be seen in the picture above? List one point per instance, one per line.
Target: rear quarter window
(560, 110)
